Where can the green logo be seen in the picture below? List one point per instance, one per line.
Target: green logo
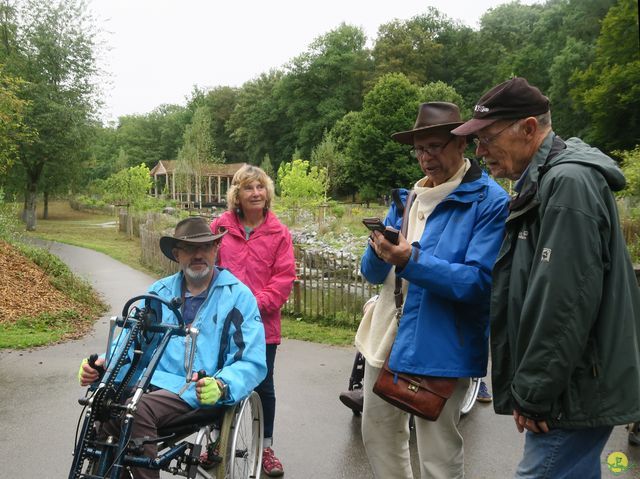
(617, 462)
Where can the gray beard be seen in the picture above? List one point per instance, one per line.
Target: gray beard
(197, 275)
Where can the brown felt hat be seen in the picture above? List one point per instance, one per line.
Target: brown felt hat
(509, 100)
(194, 229)
(431, 116)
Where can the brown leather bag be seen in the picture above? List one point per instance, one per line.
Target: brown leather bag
(422, 396)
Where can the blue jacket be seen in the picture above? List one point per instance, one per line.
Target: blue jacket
(244, 358)
(444, 327)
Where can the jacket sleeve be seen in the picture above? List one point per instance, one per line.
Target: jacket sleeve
(283, 273)
(563, 294)
(245, 362)
(469, 281)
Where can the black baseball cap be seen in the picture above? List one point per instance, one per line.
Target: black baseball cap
(509, 100)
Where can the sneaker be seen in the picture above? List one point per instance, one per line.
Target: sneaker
(210, 457)
(353, 400)
(483, 393)
(271, 465)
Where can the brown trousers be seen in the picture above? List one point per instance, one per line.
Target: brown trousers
(155, 410)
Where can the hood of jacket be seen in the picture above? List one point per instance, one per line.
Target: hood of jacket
(554, 151)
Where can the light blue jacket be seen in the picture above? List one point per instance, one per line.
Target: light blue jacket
(444, 327)
(229, 301)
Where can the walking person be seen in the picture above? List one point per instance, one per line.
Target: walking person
(565, 305)
(455, 227)
(258, 250)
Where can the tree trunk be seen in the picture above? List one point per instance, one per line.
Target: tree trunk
(45, 208)
(30, 210)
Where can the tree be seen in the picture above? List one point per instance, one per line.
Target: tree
(609, 89)
(411, 47)
(52, 47)
(301, 185)
(13, 131)
(267, 167)
(327, 155)
(198, 148)
(377, 161)
(324, 83)
(129, 186)
(259, 123)
(631, 170)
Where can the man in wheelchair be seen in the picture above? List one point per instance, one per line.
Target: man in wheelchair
(229, 349)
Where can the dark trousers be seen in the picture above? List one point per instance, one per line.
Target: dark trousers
(267, 392)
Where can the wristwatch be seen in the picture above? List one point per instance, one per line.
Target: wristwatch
(224, 388)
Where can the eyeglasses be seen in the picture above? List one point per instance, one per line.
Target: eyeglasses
(433, 150)
(487, 140)
(191, 248)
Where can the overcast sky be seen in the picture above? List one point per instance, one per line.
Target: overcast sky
(156, 50)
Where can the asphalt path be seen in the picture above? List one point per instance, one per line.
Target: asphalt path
(315, 436)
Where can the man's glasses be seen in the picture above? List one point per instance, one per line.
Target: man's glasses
(191, 248)
(487, 140)
(432, 150)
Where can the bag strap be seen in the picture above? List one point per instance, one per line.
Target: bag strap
(397, 292)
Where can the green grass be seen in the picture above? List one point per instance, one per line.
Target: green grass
(46, 328)
(89, 230)
(317, 333)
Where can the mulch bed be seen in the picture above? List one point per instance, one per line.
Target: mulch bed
(25, 289)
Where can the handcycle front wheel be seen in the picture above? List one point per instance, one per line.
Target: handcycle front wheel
(470, 397)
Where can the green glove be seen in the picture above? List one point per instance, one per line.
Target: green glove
(210, 392)
(80, 371)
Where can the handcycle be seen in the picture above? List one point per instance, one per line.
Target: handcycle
(222, 442)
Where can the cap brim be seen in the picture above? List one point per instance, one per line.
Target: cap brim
(168, 243)
(406, 137)
(473, 125)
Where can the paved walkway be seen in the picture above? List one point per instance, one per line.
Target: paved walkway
(315, 436)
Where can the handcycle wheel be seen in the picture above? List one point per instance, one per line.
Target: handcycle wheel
(470, 397)
(241, 438)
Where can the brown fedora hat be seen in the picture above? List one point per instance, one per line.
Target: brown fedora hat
(194, 229)
(432, 115)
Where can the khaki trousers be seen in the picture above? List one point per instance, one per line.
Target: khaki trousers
(385, 434)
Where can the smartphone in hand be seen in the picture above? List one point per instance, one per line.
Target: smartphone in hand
(375, 224)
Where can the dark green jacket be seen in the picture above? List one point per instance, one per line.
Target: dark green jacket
(565, 306)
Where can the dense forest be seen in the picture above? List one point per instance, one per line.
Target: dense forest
(335, 104)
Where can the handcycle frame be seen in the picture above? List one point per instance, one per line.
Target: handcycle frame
(127, 376)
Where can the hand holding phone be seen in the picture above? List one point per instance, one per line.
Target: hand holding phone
(375, 224)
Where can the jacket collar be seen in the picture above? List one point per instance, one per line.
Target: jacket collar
(472, 187)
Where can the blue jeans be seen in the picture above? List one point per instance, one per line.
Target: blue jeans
(267, 392)
(563, 454)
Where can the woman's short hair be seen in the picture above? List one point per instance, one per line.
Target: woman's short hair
(245, 175)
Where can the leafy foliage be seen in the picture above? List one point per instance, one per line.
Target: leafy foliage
(301, 185)
(128, 186)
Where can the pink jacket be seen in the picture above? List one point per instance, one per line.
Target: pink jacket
(264, 262)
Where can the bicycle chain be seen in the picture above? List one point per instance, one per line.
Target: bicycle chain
(100, 397)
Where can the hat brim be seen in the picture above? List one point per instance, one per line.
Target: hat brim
(168, 243)
(406, 137)
(473, 125)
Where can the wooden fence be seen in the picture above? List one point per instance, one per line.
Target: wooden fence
(328, 287)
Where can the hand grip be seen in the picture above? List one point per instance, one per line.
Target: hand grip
(92, 362)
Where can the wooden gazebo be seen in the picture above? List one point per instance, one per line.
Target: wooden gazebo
(207, 188)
